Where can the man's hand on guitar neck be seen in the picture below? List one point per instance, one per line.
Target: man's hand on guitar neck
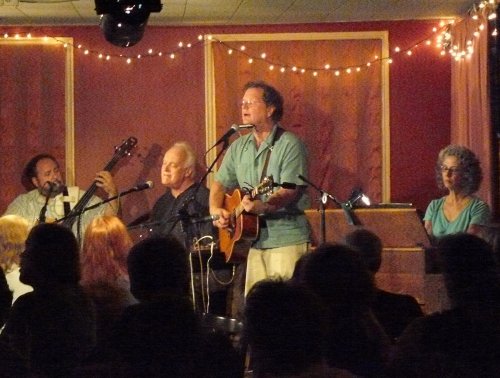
(105, 181)
(277, 200)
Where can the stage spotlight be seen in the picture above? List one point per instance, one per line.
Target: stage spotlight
(123, 21)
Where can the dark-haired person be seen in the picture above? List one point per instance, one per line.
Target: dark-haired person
(355, 340)
(52, 327)
(394, 311)
(463, 341)
(45, 175)
(267, 150)
(161, 336)
(273, 309)
(458, 171)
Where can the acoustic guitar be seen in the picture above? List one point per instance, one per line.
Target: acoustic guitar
(120, 151)
(243, 229)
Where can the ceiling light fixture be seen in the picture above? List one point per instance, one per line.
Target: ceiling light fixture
(123, 21)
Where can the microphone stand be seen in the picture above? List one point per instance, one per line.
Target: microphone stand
(43, 211)
(324, 196)
(77, 214)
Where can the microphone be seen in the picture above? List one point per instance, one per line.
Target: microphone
(234, 128)
(144, 185)
(138, 188)
(53, 187)
(208, 218)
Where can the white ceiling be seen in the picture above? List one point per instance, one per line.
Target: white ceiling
(236, 12)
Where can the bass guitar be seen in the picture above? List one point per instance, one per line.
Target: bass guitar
(243, 229)
(120, 151)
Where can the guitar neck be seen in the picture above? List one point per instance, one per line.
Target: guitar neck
(238, 210)
(83, 202)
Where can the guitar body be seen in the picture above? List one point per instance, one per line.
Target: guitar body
(236, 240)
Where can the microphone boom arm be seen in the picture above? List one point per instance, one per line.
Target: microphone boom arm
(138, 188)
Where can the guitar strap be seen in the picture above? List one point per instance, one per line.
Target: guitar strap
(279, 132)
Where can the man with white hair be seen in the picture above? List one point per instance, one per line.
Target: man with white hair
(184, 201)
(179, 213)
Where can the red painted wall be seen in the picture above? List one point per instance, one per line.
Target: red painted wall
(159, 101)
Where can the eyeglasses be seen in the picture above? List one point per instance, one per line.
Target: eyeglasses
(450, 170)
(249, 103)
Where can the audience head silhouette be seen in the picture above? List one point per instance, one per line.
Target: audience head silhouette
(284, 329)
(369, 247)
(51, 257)
(158, 266)
(336, 273)
(469, 268)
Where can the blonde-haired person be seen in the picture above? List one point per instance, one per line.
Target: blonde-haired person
(104, 275)
(14, 230)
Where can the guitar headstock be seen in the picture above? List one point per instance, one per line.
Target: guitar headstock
(126, 147)
(265, 187)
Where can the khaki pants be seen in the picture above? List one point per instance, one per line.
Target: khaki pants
(272, 263)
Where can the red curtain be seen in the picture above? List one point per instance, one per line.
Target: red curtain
(32, 109)
(470, 106)
(338, 117)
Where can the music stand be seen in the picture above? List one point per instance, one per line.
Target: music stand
(403, 237)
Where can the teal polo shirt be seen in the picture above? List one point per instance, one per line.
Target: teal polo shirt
(477, 212)
(242, 167)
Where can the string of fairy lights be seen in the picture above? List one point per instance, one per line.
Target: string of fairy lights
(441, 37)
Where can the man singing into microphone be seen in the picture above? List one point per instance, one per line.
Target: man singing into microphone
(183, 213)
(268, 151)
(176, 211)
(44, 174)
